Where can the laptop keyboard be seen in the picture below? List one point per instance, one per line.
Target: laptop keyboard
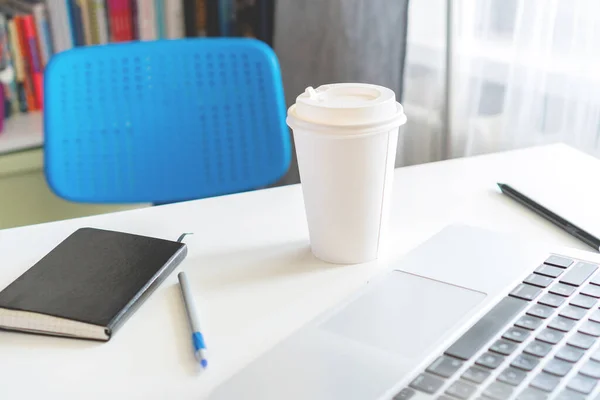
(539, 342)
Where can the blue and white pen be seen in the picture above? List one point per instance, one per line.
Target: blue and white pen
(192, 313)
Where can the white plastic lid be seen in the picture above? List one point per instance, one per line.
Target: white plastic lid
(347, 105)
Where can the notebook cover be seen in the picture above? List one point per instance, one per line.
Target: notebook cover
(95, 276)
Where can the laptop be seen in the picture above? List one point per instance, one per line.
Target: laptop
(469, 314)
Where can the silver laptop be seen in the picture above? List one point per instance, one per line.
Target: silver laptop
(469, 314)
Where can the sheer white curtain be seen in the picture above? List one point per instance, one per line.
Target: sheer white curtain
(524, 72)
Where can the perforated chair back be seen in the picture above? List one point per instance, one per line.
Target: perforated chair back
(164, 121)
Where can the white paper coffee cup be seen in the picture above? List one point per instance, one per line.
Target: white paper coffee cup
(346, 136)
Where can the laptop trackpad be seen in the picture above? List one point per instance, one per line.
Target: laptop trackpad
(404, 313)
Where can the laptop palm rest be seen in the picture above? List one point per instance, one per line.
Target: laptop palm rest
(360, 350)
(405, 314)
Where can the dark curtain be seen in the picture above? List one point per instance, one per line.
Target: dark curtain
(329, 41)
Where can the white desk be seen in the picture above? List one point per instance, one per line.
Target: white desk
(253, 274)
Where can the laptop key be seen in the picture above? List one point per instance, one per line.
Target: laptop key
(569, 353)
(595, 280)
(525, 362)
(551, 300)
(548, 270)
(498, 391)
(529, 322)
(526, 292)
(550, 336)
(537, 348)
(582, 341)
(426, 383)
(562, 290)
(559, 261)
(538, 310)
(582, 384)
(538, 280)
(475, 375)
(591, 369)
(578, 274)
(591, 290)
(583, 301)
(516, 334)
(596, 355)
(503, 347)
(557, 367)
(461, 390)
(572, 312)
(561, 324)
(595, 316)
(489, 360)
(568, 394)
(532, 394)
(545, 382)
(444, 366)
(486, 328)
(512, 376)
(405, 394)
(590, 328)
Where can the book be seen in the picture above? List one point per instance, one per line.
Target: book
(60, 25)
(226, 13)
(99, 21)
(35, 64)
(159, 14)
(247, 18)
(19, 64)
(189, 16)
(254, 18)
(38, 9)
(40, 13)
(146, 20)
(7, 70)
(200, 17)
(25, 53)
(135, 27)
(174, 25)
(120, 20)
(212, 18)
(89, 284)
(84, 6)
(76, 15)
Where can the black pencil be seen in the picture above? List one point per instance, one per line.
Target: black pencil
(556, 219)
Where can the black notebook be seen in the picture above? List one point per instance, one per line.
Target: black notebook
(89, 284)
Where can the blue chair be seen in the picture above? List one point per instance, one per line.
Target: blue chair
(164, 121)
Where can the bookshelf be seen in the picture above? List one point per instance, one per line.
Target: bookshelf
(31, 31)
(22, 132)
